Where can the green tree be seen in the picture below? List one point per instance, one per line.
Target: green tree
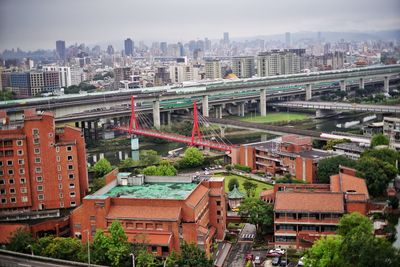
(250, 188)
(172, 260)
(98, 183)
(257, 212)
(149, 157)
(393, 202)
(232, 182)
(145, 259)
(65, 248)
(325, 252)
(164, 169)
(354, 223)
(379, 140)
(331, 143)
(20, 241)
(385, 154)
(128, 163)
(330, 166)
(192, 256)
(112, 249)
(101, 168)
(6, 95)
(192, 157)
(376, 173)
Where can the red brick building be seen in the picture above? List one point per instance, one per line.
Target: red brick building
(290, 154)
(305, 212)
(41, 167)
(158, 211)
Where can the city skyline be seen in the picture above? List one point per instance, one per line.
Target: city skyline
(178, 20)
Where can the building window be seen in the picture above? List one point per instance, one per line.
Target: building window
(58, 158)
(69, 158)
(20, 152)
(12, 190)
(35, 131)
(57, 149)
(59, 168)
(72, 194)
(73, 203)
(38, 170)
(71, 185)
(13, 200)
(39, 188)
(3, 201)
(11, 181)
(139, 225)
(59, 186)
(36, 141)
(70, 167)
(39, 179)
(69, 148)
(37, 160)
(50, 134)
(41, 197)
(2, 191)
(21, 162)
(218, 212)
(21, 171)
(1, 163)
(218, 203)
(59, 177)
(24, 190)
(24, 199)
(61, 195)
(92, 218)
(19, 142)
(22, 181)
(1, 172)
(36, 151)
(61, 204)
(9, 162)
(71, 176)
(149, 226)
(10, 172)
(2, 181)
(159, 226)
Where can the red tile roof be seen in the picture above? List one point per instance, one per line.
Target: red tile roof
(348, 183)
(151, 239)
(7, 230)
(309, 202)
(145, 213)
(196, 195)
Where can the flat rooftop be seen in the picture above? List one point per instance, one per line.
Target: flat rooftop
(178, 191)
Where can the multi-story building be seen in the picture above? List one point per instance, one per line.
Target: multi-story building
(183, 72)
(304, 213)
(64, 73)
(77, 76)
(121, 74)
(160, 212)
(391, 128)
(290, 154)
(277, 63)
(36, 82)
(243, 67)
(161, 76)
(20, 84)
(60, 49)
(212, 69)
(51, 81)
(128, 47)
(41, 167)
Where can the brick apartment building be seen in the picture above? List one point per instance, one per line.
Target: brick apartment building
(305, 212)
(42, 169)
(290, 154)
(158, 211)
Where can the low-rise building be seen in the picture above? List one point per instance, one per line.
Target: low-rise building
(160, 212)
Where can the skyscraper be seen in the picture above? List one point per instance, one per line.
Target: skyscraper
(60, 49)
(226, 38)
(243, 67)
(213, 69)
(129, 47)
(288, 40)
(110, 50)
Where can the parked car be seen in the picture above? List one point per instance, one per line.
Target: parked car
(257, 260)
(276, 261)
(284, 263)
(301, 262)
(277, 250)
(273, 254)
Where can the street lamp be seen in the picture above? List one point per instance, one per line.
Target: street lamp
(88, 245)
(30, 246)
(133, 259)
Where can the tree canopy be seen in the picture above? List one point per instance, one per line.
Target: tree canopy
(379, 140)
(250, 188)
(192, 256)
(192, 158)
(20, 241)
(330, 166)
(232, 182)
(149, 157)
(164, 169)
(257, 212)
(101, 168)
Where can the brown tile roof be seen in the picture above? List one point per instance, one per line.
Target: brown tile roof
(151, 239)
(309, 202)
(267, 192)
(7, 230)
(197, 194)
(144, 213)
(348, 183)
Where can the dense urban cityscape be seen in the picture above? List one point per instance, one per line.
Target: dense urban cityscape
(129, 142)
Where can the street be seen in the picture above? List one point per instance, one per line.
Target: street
(237, 255)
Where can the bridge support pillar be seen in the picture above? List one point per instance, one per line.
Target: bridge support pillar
(386, 84)
(362, 84)
(218, 112)
(264, 137)
(263, 102)
(241, 107)
(156, 114)
(342, 85)
(205, 106)
(308, 92)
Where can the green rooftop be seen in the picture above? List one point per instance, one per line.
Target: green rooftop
(177, 191)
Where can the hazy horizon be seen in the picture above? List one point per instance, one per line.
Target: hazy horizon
(30, 25)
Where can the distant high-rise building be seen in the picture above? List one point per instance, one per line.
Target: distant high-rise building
(288, 40)
(319, 37)
(60, 49)
(243, 67)
(110, 50)
(212, 69)
(161, 76)
(163, 48)
(64, 73)
(129, 47)
(226, 38)
(121, 74)
(207, 44)
(277, 62)
(182, 72)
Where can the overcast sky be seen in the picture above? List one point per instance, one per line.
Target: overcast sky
(32, 24)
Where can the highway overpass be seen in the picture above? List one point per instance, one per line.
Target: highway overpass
(339, 106)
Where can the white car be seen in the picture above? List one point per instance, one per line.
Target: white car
(301, 262)
(257, 260)
(277, 250)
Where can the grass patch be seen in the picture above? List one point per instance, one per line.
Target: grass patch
(273, 117)
(261, 186)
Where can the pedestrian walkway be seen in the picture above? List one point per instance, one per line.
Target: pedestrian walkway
(222, 253)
